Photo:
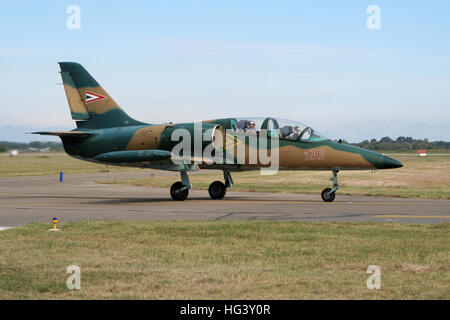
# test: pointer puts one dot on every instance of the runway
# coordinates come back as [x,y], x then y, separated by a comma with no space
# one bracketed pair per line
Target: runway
[78,198]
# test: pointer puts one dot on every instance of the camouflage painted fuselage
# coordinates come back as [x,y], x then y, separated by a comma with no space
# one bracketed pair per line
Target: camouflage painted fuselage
[297,155]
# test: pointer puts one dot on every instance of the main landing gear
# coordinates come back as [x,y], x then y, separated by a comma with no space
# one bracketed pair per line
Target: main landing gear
[329,194]
[180,189]
[218,189]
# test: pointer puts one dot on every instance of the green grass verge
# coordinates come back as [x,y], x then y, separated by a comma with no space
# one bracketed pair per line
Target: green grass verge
[41,165]
[225,260]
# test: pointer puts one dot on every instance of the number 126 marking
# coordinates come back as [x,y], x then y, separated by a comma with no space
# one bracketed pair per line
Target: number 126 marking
[314,154]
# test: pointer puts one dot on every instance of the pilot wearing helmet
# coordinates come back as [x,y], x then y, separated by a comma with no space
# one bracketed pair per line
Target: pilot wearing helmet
[295,132]
[251,129]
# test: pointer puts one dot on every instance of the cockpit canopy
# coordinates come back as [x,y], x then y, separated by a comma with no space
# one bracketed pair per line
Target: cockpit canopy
[283,128]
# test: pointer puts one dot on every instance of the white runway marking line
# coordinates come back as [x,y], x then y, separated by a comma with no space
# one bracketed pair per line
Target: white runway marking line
[5,228]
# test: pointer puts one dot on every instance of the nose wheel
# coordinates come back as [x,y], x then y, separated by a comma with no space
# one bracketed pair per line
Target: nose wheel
[328,194]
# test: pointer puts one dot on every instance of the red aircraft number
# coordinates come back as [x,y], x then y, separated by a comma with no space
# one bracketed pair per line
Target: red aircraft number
[314,154]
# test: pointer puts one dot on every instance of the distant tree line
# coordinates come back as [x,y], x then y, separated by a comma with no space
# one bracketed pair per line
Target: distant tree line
[402,143]
[7,145]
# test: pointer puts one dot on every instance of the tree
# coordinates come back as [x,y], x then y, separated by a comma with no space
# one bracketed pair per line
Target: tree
[386,139]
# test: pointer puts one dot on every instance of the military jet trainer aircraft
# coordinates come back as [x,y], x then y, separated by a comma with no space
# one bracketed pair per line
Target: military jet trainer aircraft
[106,134]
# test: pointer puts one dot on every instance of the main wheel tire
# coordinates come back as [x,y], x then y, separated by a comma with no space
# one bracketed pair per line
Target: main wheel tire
[217,190]
[328,197]
[178,195]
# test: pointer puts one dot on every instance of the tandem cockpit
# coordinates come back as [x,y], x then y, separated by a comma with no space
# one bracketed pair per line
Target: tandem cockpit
[275,127]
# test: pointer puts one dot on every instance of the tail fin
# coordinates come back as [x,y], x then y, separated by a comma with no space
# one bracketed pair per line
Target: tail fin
[89,102]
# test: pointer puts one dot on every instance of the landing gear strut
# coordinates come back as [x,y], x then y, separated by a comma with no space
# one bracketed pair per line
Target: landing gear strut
[329,194]
[218,189]
[179,191]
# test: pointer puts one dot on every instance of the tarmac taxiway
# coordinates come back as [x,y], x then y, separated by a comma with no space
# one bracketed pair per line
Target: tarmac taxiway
[79,198]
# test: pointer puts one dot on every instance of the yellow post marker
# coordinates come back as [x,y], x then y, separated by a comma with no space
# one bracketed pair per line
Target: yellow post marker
[55,223]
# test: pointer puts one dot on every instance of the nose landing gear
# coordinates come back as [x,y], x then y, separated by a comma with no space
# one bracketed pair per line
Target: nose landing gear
[329,194]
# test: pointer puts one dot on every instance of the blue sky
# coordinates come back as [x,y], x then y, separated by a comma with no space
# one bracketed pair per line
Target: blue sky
[315,62]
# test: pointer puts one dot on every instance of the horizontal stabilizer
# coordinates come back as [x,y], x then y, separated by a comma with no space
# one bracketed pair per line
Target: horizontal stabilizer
[134,156]
[71,134]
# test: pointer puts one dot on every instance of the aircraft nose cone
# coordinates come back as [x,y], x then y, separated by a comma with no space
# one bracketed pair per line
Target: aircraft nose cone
[389,163]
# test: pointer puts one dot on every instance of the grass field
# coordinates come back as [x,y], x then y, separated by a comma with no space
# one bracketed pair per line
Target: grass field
[419,178]
[41,165]
[226,260]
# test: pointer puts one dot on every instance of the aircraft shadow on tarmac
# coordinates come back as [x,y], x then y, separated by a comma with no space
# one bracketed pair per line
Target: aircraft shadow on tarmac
[124,200]
[202,199]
